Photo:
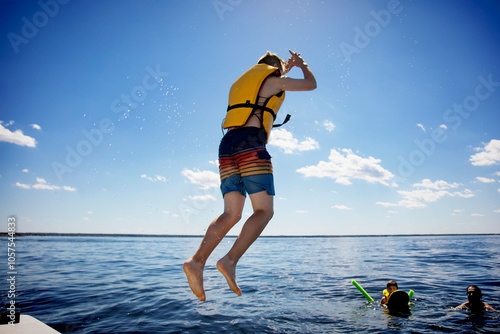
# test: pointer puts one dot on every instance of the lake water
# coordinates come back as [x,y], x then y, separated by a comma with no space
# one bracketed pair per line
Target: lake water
[290,285]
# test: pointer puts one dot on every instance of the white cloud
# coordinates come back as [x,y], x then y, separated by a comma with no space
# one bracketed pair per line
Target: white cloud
[17,137]
[437,185]
[434,191]
[205,179]
[22,185]
[497,211]
[341,207]
[329,126]
[485,179]
[477,215]
[157,178]
[344,165]
[25,170]
[488,155]
[421,126]
[444,127]
[174,215]
[201,198]
[283,139]
[36,126]
[41,184]
[303,212]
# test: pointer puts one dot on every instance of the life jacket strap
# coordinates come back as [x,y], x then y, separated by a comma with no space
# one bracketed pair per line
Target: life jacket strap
[287,118]
[253,106]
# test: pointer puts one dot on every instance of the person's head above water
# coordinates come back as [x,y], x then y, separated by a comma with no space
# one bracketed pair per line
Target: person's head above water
[474,294]
[475,303]
[273,60]
[392,286]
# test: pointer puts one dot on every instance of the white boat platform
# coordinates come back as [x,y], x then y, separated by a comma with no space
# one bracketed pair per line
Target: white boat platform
[27,325]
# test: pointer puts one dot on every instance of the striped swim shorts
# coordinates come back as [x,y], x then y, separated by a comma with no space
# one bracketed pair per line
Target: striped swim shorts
[244,163]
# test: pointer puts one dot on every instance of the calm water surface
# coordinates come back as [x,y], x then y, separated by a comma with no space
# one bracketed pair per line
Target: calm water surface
[290,285]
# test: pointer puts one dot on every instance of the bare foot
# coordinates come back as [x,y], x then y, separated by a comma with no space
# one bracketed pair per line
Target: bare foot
[194,273]
[228,269]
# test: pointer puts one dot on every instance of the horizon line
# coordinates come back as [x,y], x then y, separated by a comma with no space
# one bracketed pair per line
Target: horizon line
[56,234]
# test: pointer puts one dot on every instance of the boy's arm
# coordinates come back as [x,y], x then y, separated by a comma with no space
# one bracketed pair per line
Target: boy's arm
[288,84]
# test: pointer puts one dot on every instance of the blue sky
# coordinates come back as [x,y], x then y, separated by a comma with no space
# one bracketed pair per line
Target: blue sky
[111,114]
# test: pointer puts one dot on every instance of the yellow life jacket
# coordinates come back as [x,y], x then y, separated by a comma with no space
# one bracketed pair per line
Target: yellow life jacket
[387,294]
[244,95]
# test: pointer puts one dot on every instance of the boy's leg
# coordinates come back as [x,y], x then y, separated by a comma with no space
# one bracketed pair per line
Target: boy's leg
[262,204]
[193,267]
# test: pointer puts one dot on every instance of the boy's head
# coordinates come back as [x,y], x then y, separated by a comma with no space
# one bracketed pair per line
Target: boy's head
[273,60]
[474,294]
[392,286]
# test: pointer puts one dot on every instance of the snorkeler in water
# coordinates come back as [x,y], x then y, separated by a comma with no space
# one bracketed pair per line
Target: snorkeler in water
[397,301]
[475,302]
[391,287]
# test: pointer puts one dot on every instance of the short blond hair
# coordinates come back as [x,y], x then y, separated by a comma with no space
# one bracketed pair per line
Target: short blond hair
[272,59]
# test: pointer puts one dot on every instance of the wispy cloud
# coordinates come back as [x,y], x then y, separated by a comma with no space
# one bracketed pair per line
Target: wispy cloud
[41,184]
[201,198]
[36,126]
[17,137]
[341,207]
[488,155]
[174,215]
[329,126]
[421,126]
[427,192]
[22,185]
[437,185]
[485,179]
[284,140]
[344,166]
[157,178]
[205,179]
